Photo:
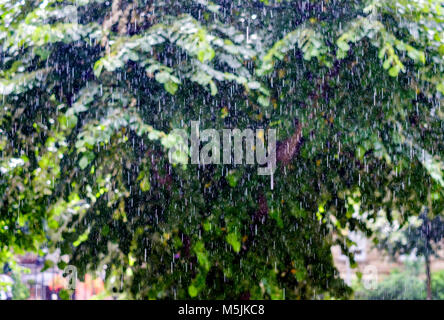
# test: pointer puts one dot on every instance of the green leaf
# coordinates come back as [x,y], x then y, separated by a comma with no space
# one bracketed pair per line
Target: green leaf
[162,77]
[276,215]
[394,71]
[254,85]
[48,264]
[206,54]
[344,46]
[202,255]
[82,238]
[232,179]
[105,230]
[263,101]
[213,88]
[84,162]
[234,240]
[171,87]
[192,291]
[360,152]
[145,184]
[61,265]
[98,67]
[64,294]
[87,158]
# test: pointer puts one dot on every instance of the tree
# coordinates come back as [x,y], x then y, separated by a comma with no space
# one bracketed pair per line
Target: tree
[92,91]
[421,236]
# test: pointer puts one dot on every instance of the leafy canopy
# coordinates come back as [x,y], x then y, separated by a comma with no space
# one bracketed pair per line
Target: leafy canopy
[91,90]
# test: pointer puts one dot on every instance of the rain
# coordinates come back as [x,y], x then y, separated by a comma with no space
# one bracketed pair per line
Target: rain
[316,170]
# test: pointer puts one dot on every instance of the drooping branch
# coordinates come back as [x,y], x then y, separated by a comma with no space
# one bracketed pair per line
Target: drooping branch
[288,149]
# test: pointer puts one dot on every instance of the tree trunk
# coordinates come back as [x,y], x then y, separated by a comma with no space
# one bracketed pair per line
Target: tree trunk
[429,278]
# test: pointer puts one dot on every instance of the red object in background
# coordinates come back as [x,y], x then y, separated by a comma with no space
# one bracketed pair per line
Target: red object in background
[84,290]
[89,288]
[57,283]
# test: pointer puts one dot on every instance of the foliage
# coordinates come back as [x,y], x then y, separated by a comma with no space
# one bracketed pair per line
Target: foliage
[403,285]
[438,285]
[421,236]
[91,90]
[396,286]
[20,291]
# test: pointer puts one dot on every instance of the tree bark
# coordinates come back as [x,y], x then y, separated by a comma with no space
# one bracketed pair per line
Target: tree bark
[429,278]
[288,149]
